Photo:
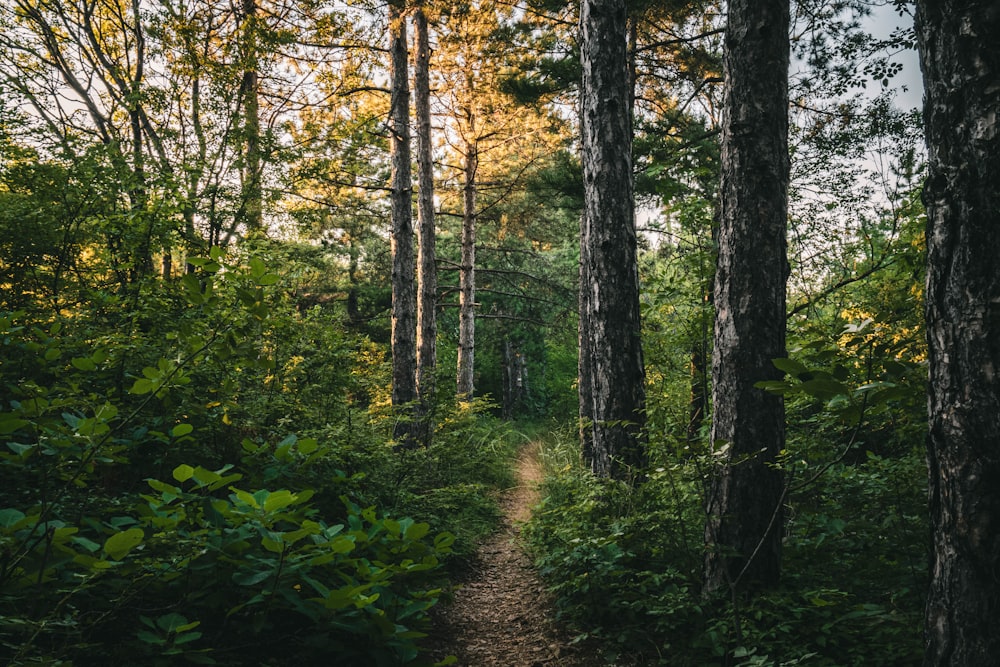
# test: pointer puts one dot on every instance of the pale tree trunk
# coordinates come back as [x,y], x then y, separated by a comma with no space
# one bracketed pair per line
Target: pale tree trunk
[404,297]
[467,280]
[744,504]
[612,377]
[961,68]
[426,267]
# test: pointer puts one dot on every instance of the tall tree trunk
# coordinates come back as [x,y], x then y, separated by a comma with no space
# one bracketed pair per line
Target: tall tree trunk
[467,280]
[404,297]
[612,376]
[961,69]
[426,267]
[252,196]
[744,505]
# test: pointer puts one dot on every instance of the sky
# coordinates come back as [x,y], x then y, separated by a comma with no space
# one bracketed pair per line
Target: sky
[882,22]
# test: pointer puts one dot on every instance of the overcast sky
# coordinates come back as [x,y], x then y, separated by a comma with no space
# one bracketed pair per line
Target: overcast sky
[882,22]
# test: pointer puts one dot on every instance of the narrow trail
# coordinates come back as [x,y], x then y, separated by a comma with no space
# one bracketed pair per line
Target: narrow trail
[501,613]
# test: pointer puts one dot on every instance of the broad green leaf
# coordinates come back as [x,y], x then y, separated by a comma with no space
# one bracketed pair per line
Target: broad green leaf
[89,545]
[119,544]
[19,448]
[174,622]
[183,472]
[142,386]
[824,388]
[9,423]
[417,531]
[278,500]
[249,578]
[307,446]
[245,497]
[273,545]
[257,268]
[181,430]
[83,363]
[790,366]
[10,517]
[268,279]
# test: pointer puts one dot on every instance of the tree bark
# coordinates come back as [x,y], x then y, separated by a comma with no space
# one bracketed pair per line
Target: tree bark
[252,196]
[744,504]
[404,297]
[467,279]
[612,376]
[961,70]
[426,267]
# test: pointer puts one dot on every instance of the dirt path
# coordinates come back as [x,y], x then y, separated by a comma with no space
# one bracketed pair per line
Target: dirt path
[501,614]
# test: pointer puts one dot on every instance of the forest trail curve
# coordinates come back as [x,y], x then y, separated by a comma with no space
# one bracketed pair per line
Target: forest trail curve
[501,614]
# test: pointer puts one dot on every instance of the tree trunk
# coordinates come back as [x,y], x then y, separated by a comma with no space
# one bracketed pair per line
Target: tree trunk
[612,376]
[426,267]
[252,197]
[404,297]
[961,69]
[467,280]
[744,504]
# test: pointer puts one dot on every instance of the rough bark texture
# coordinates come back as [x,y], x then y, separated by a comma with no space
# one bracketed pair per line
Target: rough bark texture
[961,68]
[612,377]
[404,296]
[744,524]
[467,281]
[426,267]
[252,204]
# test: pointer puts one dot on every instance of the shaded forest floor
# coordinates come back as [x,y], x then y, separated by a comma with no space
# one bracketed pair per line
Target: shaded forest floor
[501,613]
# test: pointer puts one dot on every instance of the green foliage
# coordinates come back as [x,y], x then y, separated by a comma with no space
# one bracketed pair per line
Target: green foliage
[625,565]
[213,483]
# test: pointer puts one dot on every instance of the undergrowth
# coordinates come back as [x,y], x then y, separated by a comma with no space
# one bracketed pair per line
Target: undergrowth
[625,565]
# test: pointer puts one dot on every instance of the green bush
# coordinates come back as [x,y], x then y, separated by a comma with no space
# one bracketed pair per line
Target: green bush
[625,567]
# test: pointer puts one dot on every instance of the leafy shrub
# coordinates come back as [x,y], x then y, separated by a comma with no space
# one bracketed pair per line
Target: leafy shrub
[625,566]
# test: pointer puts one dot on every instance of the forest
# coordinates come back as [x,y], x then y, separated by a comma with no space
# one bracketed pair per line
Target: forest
[292,290]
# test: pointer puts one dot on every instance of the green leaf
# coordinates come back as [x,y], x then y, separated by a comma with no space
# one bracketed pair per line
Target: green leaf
[245,498]
[89,545]
[9,423]
[278,500]
[119,544]
[417,531]
[790,366]
[181,430]
[10,517]
[824,388]
[83,363]
[183,472]
[142,386]
[19,448]
[307,446]
[268,279]
[257,268]
[174,622]
[249,578]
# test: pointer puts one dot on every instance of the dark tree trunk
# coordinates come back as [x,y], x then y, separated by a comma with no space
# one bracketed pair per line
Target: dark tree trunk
[612,377]
[426,268]
[467,279]
[744,504]
[961,68]
[404,296]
